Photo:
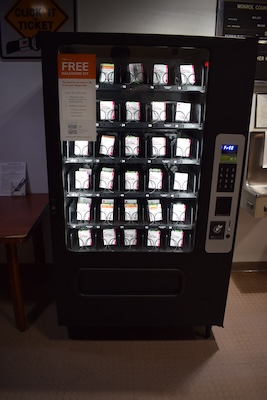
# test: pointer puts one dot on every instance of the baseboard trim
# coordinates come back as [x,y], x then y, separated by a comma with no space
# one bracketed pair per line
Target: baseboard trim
[249,266]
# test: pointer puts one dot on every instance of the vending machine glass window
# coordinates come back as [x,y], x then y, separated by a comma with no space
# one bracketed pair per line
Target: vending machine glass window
[131,182]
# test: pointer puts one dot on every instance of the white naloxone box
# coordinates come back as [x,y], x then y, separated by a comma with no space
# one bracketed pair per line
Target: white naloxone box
[109,237]
[131,180]
[155,179]
[154,210]
[178,212]
[153,238]
[83,208]
[158,146]
[180,181]
[187,72]
[130,237]
[183,112]
[82,178]
[85,237]
[183,147]
[177,238]
[107,210]
[81,148]
[158,111]
[107,110]
[132,145]
[107,145]
[131,209]
[160,74]
[106,73]
[106,178]
[132,111]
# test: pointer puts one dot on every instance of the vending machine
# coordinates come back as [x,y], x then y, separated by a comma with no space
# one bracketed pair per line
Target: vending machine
[146,137]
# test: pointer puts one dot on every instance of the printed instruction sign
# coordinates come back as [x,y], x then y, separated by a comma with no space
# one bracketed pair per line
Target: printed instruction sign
[77,96]
[261,111]
[13,178]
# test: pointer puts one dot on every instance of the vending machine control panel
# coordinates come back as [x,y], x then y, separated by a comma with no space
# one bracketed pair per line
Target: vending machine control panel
[225,187]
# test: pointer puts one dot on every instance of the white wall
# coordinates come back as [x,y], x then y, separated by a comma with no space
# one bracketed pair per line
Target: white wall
[22,121]
[21,105]
[183,17]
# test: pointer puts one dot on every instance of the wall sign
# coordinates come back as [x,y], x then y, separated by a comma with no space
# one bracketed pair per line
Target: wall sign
[261,111]
[22,20]
[245,19]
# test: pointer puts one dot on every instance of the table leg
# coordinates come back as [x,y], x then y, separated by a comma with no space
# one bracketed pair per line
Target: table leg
[39,251]
[15,284]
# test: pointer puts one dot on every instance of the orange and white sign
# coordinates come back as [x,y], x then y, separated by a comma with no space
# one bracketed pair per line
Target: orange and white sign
[77,96]
[29,17]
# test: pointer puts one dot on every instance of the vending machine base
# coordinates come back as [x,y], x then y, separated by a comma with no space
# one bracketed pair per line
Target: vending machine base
[134,333]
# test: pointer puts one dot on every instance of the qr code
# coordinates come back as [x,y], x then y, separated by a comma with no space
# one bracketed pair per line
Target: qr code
[72,129]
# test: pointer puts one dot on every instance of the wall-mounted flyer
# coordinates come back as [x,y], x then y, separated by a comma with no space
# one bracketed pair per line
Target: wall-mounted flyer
[77,96]
[261,111]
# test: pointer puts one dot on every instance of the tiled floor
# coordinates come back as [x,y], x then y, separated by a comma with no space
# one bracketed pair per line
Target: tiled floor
[42,364]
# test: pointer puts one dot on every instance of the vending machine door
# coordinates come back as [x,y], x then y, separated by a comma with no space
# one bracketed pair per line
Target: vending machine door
[138,130]
[131,174]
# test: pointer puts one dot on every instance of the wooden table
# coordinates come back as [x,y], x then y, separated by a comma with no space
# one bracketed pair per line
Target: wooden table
[19,218]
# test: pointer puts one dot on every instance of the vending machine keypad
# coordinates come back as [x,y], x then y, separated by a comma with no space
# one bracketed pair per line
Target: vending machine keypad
[226,178]
[224,194]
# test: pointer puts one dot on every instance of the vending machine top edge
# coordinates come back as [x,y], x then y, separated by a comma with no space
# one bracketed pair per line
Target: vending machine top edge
[145,137]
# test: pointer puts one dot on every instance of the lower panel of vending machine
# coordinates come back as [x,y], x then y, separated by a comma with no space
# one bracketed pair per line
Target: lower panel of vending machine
[157,301]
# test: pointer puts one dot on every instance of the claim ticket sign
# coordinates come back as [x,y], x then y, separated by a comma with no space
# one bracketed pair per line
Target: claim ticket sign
[77,96]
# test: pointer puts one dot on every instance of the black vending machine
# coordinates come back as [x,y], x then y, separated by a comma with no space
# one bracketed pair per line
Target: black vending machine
[146,139]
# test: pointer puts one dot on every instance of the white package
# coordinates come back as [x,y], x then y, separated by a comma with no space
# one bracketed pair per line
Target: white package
[132,145]
[153,238]
[178,212]
[109,237]
[132,111]
[154,210]
[107,145]
[136,73]
[180,181]
[85,237]
[82,178]
[106,73]
[158,110]
[131,180]
[160,74]
[183,146]
[177,238]
[107,210]
[158,146]
[83,209]
[81,148]
[130,237]
[131,210]
[106,178]
[187,72]
[183,111]
[107,110]
[155,179]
